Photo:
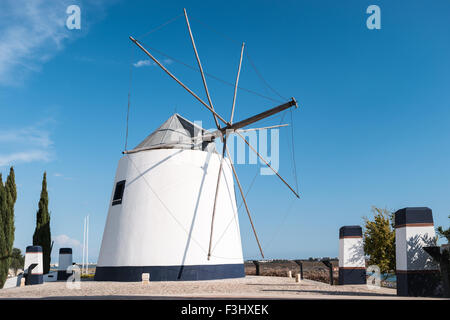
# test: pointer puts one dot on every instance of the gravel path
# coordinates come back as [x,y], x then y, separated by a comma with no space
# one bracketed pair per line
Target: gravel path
[258,287]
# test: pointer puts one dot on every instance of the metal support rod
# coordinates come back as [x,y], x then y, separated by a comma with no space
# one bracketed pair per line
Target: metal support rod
[245,203]
[215,197]
[178,81]
[330,267]
[257,265]
[201,68]
[300,263]
[236,84]
[257,153]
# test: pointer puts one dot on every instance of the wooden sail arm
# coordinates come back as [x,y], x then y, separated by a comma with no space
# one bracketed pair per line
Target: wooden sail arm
[236,83]
[261,116]
[201,68]
[228,126]
[231,128]
[178,81]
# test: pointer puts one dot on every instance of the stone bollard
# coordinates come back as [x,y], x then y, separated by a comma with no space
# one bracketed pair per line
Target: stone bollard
[65,261]
[297,277]
[146,278]
[33,267]
[289,274]
[352,265]
[417,274]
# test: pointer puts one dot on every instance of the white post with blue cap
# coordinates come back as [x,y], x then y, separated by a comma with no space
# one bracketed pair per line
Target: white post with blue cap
[417,274]
[33,266]
[352,265]
[65,260]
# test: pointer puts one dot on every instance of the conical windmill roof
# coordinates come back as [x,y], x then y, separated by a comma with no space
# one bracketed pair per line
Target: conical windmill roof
[176,133]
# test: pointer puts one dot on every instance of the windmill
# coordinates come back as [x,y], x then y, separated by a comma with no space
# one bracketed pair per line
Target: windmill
[117,266]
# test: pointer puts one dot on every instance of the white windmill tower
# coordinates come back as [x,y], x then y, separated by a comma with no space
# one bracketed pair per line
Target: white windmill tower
[174,198]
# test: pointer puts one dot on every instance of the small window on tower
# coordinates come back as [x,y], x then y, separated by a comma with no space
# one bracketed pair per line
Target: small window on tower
[118,193]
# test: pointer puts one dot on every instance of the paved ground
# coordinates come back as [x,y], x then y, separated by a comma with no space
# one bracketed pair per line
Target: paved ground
[258,287]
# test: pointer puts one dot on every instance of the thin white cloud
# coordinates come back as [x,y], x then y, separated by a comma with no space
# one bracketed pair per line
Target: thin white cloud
[149,63]
[30,134]
[144,63]
[32,32]
[25,145]
[63,240]
[60,175]
[25,156]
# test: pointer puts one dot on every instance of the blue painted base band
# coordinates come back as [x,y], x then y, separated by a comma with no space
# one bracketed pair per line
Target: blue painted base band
[34,279]
[352,276]
[170,273]
[419,284]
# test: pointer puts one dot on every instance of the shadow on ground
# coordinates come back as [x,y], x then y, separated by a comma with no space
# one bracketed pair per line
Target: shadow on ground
[335,293]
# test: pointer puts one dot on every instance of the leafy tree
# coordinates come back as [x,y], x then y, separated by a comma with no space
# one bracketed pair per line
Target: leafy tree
[17,260]
[42,235]
[444,233]
[379,239]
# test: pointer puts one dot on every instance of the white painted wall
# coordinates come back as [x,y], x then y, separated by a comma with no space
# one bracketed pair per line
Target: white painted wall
[12,282]
[408,249]
[34,257]
[65,260]
[351,252]
[165,215]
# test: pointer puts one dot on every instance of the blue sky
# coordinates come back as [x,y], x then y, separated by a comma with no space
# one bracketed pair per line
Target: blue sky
[372,127]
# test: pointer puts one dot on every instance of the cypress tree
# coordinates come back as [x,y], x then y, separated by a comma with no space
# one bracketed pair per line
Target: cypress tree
[42,236]
[3,241]
[11,197]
